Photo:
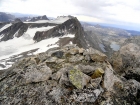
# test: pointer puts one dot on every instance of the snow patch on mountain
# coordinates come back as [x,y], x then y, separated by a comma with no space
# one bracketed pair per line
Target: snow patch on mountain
[22,44]
[16,33]
[1,36]
[5,26]
[32,31]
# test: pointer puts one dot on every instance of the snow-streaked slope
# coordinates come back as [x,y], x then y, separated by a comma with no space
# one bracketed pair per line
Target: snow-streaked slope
[23,44]
[32,31]
[14,44]
[1,36]
[57,20]
[5,26]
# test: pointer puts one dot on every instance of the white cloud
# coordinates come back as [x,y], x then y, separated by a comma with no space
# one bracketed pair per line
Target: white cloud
[108,11]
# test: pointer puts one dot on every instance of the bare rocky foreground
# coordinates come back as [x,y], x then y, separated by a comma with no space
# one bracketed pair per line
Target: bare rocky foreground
[68,76]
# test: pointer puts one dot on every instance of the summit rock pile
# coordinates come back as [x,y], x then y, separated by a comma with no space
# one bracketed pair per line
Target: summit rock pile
[66,76]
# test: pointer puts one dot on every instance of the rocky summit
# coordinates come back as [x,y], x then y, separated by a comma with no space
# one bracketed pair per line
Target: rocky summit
[67,76]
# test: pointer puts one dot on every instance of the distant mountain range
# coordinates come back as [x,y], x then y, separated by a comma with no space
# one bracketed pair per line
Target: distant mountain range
[6,17]
[115,30]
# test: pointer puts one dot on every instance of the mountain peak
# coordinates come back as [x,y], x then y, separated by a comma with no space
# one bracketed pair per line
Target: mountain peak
[6,17]
[98,26]
[44,17]
[17,20]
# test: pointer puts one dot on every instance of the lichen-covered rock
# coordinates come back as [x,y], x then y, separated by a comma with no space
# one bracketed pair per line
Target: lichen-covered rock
[78,79]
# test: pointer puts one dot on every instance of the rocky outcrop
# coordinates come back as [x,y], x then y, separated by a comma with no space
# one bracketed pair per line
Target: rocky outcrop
[126,62]
[127,58]
[38,25]
[134,39]
[58,77]
[16,20]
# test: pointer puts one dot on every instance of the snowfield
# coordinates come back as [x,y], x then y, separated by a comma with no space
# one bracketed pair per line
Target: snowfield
[12,49]
[25,43]
[32,31]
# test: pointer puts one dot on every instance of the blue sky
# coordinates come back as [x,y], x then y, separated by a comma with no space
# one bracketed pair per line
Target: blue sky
[125,13]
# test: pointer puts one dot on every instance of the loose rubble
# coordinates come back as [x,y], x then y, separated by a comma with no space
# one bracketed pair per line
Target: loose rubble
[67,76]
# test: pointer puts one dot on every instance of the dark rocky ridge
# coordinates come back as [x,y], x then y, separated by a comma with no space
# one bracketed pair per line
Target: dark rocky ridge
[2,24]
[10,31]
[16,20]
[21,27]
[66,76]
[44,17]
[71,26]
[33,25]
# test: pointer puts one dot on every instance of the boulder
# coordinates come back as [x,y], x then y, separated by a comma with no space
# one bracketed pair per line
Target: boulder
[74,51]
[87,69]
[78,79]
[87,57]
[95,82]
[36,74]
[96,55]
[117,62]
[109,78]
[86,95]
[98,73]
[119,91]
[133,74]
[81,50]
[76,58]
[58,54]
